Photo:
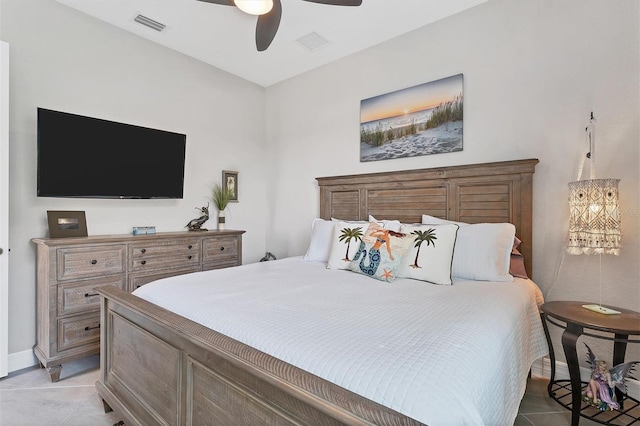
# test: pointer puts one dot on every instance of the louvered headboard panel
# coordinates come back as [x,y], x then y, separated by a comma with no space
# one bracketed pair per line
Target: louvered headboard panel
[488,192]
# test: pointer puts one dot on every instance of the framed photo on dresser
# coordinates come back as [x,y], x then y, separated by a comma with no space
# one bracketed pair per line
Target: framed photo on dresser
[63,224]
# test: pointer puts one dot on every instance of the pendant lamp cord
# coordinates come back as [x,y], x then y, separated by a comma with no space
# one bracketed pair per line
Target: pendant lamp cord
[557,274]
[590,149]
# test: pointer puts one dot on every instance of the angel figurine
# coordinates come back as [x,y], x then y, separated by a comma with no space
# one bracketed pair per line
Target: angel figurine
[600,392]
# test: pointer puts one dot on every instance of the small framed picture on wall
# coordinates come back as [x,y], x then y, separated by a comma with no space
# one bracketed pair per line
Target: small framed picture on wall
[230,180]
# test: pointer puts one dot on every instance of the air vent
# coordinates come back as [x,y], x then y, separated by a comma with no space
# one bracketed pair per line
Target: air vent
[148,22]
[312,41]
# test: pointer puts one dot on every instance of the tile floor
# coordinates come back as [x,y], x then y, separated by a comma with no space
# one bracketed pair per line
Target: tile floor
[27,397]
[537,408]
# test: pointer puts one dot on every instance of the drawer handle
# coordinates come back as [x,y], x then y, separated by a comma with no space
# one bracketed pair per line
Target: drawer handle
[221,248]
[87,328]
[93,261]
[189,246]
[189,257]
[91,294]
[143,262]
[143,251]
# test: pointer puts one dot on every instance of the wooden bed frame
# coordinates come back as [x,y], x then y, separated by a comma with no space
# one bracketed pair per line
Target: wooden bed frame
[160,368]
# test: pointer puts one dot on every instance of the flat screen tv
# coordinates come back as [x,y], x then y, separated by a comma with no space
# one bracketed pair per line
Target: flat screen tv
[88,157]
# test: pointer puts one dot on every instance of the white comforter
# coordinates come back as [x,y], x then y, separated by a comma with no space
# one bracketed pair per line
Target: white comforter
[443,355]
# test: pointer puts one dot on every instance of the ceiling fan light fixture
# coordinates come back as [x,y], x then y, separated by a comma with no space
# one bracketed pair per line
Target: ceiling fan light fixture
[254,7]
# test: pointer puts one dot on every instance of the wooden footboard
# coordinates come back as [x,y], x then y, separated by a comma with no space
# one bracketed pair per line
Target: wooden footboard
[160,368]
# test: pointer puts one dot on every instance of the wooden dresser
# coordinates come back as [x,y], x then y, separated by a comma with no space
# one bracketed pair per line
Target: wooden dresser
[70,269]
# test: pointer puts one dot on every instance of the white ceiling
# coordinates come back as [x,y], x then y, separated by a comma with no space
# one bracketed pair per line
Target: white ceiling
[224,36]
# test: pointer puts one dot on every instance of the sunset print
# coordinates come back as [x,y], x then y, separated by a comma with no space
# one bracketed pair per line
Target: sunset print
[419,120]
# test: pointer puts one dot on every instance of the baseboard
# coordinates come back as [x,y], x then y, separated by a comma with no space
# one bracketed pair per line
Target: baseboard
[538,368]
[542,368]
[20,360]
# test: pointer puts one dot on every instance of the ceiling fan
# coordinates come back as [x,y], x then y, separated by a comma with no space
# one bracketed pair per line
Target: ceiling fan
[269,13]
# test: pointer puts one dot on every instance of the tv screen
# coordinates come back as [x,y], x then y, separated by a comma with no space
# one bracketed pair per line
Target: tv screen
[82,156]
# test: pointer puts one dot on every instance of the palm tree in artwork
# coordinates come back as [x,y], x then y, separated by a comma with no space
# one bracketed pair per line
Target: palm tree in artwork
[347,235]
[428,236]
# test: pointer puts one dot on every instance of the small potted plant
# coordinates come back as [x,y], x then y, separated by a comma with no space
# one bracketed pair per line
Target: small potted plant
[221,197]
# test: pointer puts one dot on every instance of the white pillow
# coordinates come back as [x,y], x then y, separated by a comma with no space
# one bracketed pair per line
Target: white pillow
[482,251]
[391,225]
[426,219]
[345,242]
[429,259]
[350,221]
[320,244]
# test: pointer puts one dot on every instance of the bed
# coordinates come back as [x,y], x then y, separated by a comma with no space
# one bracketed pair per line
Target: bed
[293,342]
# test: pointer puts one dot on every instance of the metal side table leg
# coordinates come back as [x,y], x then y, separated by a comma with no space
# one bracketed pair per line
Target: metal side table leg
[552,357]
[619,350]
[569,339]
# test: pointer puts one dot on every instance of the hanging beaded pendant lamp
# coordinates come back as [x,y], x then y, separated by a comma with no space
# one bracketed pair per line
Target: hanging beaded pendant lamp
[594,208]
[594,217]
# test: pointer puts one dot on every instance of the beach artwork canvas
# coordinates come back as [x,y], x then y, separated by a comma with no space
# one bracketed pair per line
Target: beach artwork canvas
[419,120]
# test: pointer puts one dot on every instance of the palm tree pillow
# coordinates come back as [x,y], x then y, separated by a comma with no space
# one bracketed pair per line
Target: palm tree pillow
[345,241]
[430,257]
[380,253]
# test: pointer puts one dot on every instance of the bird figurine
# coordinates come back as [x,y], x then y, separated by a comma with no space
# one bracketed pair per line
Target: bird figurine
[196,224]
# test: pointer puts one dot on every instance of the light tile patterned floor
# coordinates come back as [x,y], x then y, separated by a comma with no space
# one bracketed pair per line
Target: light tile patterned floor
[27,397]
[538,409]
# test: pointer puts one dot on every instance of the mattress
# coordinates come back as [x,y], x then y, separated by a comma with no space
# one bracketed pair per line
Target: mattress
[443,355]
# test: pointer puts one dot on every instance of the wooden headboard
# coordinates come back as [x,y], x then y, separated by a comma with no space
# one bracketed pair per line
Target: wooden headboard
[489,192]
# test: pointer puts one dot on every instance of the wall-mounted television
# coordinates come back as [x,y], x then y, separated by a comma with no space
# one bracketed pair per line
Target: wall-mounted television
[81,156]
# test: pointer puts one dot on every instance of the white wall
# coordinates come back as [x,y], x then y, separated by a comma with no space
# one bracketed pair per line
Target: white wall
[64,60]
[533,71]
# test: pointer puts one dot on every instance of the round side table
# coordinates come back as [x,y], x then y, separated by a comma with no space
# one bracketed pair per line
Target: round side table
[575,319]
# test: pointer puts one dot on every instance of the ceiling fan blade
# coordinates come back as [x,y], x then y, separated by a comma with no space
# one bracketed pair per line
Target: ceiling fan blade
[338,2]
[222,2]
[268,26]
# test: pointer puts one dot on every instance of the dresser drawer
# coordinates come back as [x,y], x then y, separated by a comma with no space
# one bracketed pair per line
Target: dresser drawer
[91,261]
[138,280]
[222,250]
[166,254]
[78,330]
[74,297]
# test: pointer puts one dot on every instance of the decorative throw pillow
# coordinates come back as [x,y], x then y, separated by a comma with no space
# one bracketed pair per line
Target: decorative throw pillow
[483,250]
[345,241]
[430,257]
[320,244]
[380,253]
